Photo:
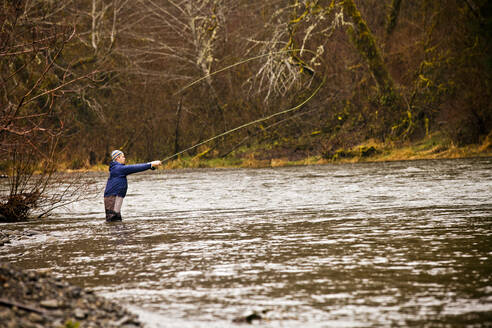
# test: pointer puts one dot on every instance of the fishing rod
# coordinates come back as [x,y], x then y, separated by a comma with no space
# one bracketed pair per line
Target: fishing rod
[266,118]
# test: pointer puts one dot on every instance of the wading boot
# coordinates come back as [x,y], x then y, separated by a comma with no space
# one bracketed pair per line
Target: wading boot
[112,216]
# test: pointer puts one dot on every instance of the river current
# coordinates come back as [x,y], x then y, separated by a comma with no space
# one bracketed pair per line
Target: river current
[352,245]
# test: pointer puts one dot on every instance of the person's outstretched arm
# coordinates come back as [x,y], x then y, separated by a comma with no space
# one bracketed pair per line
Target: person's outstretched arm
[129,169]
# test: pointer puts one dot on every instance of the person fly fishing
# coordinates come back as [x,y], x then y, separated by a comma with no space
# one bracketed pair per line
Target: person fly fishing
[117,184]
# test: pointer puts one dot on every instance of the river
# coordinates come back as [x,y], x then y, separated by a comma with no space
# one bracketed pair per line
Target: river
[352,245]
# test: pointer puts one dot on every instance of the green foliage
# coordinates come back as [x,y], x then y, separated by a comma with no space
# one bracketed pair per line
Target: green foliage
[71,324]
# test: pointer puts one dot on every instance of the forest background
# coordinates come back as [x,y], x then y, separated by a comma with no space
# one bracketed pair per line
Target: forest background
[81,78]
[153,77]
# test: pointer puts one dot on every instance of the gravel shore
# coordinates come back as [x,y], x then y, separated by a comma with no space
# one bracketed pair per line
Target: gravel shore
[35,299]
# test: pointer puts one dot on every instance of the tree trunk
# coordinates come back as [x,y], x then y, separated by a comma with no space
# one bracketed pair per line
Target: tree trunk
[393,16]
[176,129]
[363,40]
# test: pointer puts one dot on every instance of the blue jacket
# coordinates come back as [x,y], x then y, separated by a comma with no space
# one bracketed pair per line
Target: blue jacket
[117,184]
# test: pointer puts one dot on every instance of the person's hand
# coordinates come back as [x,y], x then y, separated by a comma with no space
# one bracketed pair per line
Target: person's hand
[155,163]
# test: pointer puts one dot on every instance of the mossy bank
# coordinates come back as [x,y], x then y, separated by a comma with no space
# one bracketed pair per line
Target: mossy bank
[432,147]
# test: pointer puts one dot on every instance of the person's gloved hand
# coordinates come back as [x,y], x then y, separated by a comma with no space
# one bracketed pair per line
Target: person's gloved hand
[153,164]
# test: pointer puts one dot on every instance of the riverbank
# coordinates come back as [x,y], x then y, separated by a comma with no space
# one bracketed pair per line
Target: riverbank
[432,147]
[35,299]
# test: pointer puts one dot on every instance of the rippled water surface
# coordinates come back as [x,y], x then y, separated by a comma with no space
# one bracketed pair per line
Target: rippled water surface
[357,245]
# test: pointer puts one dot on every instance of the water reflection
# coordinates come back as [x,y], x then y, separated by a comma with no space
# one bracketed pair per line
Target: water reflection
[389,244]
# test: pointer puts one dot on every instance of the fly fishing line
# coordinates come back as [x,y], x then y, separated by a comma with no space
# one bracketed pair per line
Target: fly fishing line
[266,118]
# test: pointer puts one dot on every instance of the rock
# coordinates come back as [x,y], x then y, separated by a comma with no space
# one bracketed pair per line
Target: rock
[122,321]
[5,315]
[32,276]
[43,272]
[34,317]
[61,284]
[4,237]
[50,304]
[250,317]
[12,324]
[80,314]
[75,291]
